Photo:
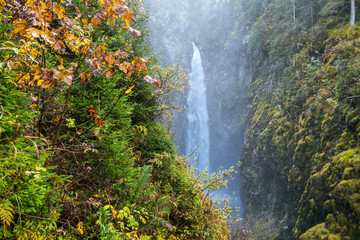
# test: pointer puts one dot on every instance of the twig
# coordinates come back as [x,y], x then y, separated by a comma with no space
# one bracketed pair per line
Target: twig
[15,153]
[353,97]
[37,150]
[47,219]
[2,111]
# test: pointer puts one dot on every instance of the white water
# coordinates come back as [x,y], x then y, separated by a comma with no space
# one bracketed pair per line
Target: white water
[198,139]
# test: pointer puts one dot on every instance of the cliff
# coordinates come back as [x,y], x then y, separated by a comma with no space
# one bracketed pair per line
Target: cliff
[300,164]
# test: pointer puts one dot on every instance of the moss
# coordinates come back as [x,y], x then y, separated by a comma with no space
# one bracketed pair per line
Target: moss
[309,130]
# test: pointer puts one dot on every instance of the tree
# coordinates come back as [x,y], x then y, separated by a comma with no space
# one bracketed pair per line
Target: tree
[294,10]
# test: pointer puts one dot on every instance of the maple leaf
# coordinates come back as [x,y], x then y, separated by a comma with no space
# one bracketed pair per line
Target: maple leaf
[129,90]
[65,76]
[109,73]
[99,121]
[95,21]
[85,77]
[121,54]
[152,81]
[108,58]
[122,67]
[91,110]
[127,17]
[84,21]
[140,64]
[48,80]
[59,45]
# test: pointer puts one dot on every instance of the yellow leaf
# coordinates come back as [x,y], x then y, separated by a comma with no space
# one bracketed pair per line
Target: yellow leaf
[80,228]
[20,25]
[40,82]
[129,90]
[6,212]
[59,11]
[34,32]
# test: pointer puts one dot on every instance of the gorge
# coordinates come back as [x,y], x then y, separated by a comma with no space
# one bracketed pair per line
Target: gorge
[283,102]
[91,146]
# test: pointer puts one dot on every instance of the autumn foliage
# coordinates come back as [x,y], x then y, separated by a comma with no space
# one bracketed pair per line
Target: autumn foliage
[81,152]
[43,30]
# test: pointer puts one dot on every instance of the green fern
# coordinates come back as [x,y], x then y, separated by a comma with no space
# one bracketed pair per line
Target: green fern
[6,213]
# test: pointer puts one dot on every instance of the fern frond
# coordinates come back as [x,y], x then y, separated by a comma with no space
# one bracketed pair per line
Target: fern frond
[6,213]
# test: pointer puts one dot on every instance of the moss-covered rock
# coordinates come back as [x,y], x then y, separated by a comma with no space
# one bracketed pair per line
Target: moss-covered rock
[301,152]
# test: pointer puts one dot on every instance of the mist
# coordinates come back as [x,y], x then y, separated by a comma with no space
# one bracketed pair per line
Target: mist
[174,26]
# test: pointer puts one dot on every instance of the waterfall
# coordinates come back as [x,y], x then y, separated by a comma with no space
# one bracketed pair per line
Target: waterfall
[198,138]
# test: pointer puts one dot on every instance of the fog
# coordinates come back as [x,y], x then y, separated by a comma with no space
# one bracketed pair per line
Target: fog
[175,25]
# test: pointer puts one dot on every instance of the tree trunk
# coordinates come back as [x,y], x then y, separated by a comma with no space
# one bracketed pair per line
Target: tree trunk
[312,12]
[294,10]
[352,15]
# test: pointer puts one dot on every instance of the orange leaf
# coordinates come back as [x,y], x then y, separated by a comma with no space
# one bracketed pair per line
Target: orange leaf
[100,50]
[109,73]
[91,110]
[84,21]
[20,25]
[140,64]
[112,19]
[57,120]
[85,77]
[95,21]
[59,11]
[109,58]
[121,54]
[61,60]
[122,67]
[99,122]
[67,77]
